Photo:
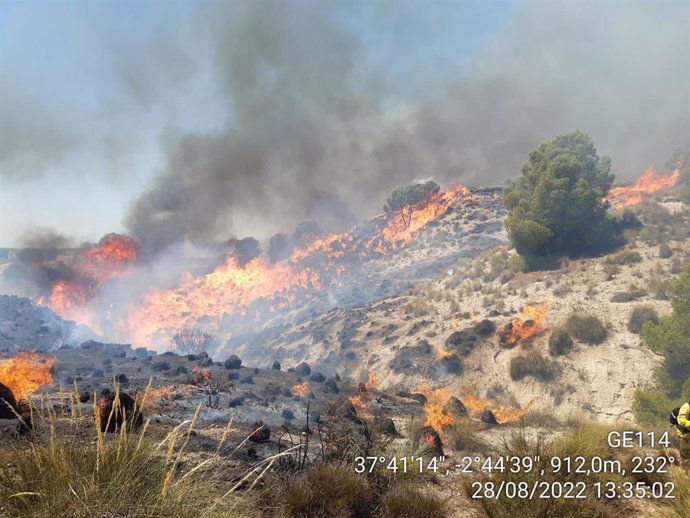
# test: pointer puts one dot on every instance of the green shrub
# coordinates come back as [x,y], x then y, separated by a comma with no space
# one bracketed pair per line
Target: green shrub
[640,315]
[462,436]
[533,364]
[652,408]
[626,257]
[560,342]
[586,328]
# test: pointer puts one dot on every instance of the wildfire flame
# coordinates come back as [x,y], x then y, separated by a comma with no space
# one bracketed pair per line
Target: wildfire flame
[150,400]
[524,326]
[200,375]
[433,408]
[255,289]
[438,419]
[76,298]
[503,413]
[649,183]
[301,389]
[26,373]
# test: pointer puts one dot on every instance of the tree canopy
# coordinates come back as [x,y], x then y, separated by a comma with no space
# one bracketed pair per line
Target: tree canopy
[557,206]
[671,336]
[405,197]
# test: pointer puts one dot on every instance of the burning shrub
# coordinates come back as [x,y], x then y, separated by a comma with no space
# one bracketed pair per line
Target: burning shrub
[428,441]
[560,342]
[586,328]
[246,249]
[279,247]
[533,364]
[640,315]
[261,432]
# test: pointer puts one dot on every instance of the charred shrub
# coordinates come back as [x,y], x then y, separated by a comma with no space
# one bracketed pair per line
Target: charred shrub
[533,364]
[640,315]
[160,366]
[234,362]
[560,342]
[586,328]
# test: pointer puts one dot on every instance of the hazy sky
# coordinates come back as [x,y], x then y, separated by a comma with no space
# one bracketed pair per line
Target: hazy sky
[203,120]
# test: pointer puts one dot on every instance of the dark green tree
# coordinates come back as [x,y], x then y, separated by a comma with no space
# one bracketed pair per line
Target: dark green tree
[279,247]
[671,336]
[405,198]
[557,207]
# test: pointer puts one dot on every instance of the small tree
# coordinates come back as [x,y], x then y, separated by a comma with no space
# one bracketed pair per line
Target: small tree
[190,341]
[279,247]
[247,249]
[405,198]
[557,207]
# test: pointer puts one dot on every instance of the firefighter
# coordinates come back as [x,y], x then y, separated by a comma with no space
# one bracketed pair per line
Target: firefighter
[680,418]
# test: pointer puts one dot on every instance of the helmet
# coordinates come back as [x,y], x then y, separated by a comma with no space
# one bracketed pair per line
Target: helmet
[673,418]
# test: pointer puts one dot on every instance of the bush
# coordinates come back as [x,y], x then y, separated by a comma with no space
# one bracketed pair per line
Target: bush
[627,296]
[409,502]
[462,436]
[586,328]
[327,491]
[560,342]
[665,251]
[652,408]
[640,315]
[626,257]
[533,364]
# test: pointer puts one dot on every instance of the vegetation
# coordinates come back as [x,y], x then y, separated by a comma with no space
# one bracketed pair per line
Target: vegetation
[671,335]
[533,364]
[586,328]
[279,247]
[125,475]
[190,341]
[640,315]
[557,206]
[560,342]
[403,199]
[624,258]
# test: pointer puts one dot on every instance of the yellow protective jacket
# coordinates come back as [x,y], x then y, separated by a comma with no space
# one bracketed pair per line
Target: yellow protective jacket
[684,421]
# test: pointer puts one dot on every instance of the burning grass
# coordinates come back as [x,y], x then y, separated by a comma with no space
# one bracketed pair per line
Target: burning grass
[524,326]
[649,183]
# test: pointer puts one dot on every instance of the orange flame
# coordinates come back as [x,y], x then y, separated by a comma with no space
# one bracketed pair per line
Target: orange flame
[433,408]
[649,183]
[525,326]
[301,389]
[75,298]
[200,375]
[503,413]
[150,400]
[26,373]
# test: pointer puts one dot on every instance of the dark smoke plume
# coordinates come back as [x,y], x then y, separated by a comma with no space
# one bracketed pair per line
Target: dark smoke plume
[307,116]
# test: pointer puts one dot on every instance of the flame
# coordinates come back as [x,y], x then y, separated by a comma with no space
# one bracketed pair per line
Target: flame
[252,291]
[150,400]
[26,373]
[200,375]
[503,413]
[359,402]
[649,183]
[76,298]
[433,408]
[525,326]
[301,389]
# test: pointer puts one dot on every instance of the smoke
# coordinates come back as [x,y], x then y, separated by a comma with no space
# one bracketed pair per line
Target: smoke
[44,237]
[306,115]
